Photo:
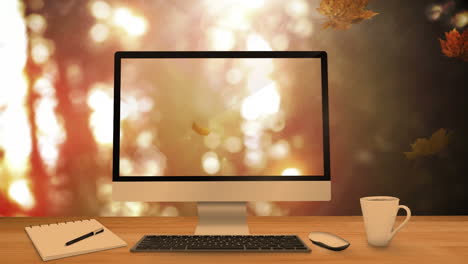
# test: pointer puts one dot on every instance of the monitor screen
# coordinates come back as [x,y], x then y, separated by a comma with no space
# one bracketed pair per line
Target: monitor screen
[221,117]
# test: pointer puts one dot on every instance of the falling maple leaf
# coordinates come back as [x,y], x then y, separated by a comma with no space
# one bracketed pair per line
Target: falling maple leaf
[428,147]
[343,13]
[455,45]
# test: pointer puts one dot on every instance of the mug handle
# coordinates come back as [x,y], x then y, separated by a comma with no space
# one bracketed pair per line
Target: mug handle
[408,216]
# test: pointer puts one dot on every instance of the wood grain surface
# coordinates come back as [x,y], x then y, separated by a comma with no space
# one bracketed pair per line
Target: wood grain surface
[426,239]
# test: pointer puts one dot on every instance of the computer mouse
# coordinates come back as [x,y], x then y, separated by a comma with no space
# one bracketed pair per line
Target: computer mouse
[328,241]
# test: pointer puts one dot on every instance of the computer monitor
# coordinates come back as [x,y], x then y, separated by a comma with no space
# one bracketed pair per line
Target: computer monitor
[221,128]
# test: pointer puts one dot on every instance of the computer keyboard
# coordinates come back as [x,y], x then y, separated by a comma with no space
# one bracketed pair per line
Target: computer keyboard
[220,243]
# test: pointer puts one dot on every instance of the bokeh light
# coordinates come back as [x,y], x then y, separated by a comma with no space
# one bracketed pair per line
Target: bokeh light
[434,12]
[145,139]
[210,162]
[460,20]
[263,208]
[126,166]
[280,42]
[233,144]
[37,23]
[41,50]
[264,102]
[20,192]
[222,39]
[170,211]
[256,42]
[13,115]
[297,8]
[133,25]
[99,32]
[279,150]
[291,172]
[16,151]
[152,168]
[101,102]
[302,27]
[50,130]
[234,76]
[255,159]
[100,9]
[212,141]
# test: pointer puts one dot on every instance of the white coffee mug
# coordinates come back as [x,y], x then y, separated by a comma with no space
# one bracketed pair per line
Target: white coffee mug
[379,214]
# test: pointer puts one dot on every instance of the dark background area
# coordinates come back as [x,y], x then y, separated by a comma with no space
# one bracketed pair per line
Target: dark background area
[390,84]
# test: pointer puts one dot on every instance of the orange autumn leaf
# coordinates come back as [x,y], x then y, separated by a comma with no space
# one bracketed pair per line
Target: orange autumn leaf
[200,130]
[455,45]
[343,13]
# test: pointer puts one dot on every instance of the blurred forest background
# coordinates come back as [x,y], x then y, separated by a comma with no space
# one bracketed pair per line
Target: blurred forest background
[397,82]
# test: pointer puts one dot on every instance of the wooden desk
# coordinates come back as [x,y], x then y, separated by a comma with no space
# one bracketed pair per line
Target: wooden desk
[426,239]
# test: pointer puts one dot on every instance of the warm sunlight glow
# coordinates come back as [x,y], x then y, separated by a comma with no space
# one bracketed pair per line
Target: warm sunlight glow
[132,24]
[257,42]
[50,131]
[16,151]
[291,172]
[235,19]
[222,39]
[264,102]
[233,14]
[15,138]
[101,124]
[101,119]
[253,4]
[257,79]
[20,192]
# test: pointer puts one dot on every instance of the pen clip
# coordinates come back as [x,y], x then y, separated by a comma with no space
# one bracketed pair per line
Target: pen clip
[97,231]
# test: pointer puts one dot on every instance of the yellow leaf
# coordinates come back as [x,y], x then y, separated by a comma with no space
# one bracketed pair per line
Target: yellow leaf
[426,147]
[438,141]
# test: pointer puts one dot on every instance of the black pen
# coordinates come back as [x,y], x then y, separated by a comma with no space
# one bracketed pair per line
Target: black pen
[95,232]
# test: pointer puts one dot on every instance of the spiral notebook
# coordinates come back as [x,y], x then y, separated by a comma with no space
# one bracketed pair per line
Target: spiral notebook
[50,240]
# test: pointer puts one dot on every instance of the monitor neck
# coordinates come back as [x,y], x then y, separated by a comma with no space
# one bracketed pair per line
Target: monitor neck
[222,218]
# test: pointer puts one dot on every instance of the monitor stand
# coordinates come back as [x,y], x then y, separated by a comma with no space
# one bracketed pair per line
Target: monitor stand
[222,218]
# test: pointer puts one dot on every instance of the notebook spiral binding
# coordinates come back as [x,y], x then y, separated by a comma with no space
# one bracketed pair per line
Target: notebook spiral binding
[74,221]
